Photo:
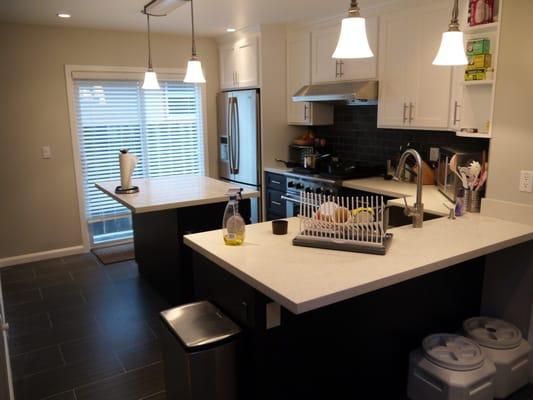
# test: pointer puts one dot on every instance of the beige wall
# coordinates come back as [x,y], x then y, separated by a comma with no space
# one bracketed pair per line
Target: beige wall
[511,149]
[38,198]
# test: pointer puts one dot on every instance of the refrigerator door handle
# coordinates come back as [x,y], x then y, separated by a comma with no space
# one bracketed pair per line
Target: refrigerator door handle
[237,136]
[229,128]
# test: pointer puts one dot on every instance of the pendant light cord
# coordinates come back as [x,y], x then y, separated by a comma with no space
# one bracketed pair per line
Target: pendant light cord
[193,37]
[454,23]
[149,46]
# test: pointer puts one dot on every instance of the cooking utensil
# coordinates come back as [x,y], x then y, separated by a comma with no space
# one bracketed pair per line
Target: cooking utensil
[453,168]
[475,171]
[482,180]
[311,159]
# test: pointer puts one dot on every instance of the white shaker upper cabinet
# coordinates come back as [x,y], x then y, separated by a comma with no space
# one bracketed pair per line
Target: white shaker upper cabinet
[239,64]
[432,90]
[299,75]
[248,63]
[393,69]
[327,69]
[414,93]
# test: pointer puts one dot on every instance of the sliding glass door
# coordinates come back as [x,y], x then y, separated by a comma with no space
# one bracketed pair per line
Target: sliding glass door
[162,127]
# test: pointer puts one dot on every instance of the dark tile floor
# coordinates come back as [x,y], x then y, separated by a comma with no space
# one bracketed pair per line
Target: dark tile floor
[80,330]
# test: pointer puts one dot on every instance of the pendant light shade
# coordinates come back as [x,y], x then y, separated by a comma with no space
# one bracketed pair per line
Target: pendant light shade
[353,41]
[194,74]
[150,77]
[150,81]
[452,48]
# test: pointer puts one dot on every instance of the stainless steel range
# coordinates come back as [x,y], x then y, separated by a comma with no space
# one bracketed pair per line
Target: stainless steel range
[309,184]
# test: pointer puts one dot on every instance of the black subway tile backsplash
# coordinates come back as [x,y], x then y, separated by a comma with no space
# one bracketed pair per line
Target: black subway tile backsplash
[355,136]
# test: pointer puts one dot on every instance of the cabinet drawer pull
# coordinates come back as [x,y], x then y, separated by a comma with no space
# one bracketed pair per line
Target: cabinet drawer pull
[411,106]
[341,73]
[276,203]
[305,112]
[404,113]
[275,182]
[336,68]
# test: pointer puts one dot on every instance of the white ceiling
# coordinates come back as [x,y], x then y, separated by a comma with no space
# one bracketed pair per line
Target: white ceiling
[212,16]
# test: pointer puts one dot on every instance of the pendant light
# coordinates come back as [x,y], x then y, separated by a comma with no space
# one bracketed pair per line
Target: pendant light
[353,42]
[194,66]
[150,77]
[452,49]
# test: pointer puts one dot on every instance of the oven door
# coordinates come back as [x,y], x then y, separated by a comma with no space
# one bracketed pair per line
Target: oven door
[292,200]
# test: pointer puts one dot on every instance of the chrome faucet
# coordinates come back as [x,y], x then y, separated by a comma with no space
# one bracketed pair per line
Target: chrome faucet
[416,212]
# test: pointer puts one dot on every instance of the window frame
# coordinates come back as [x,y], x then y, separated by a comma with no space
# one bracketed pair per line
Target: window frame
[118,73]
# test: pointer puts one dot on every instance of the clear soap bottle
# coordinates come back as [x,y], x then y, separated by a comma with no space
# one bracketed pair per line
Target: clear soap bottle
[233,226]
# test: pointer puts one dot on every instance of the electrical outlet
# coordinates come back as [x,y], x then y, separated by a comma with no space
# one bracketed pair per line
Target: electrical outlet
[46,152]
[434,154]
[526,181]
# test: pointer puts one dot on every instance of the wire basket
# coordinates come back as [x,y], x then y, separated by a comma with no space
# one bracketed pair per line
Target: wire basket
[347,223]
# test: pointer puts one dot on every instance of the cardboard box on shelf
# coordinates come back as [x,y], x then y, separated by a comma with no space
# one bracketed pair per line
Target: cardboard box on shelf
[475,75]
[480,61]
[477,46]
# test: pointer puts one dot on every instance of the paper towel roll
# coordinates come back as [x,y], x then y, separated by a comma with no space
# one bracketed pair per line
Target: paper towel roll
[127,162]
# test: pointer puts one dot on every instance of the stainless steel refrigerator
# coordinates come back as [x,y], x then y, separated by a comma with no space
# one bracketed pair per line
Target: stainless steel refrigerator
[239,141]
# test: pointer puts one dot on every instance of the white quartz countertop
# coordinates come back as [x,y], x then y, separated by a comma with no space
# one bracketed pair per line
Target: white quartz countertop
[156,194]
[302,279]
[431,197]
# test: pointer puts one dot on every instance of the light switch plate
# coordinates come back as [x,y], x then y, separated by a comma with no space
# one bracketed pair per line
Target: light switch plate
[46,152]
[434,154]
[526,181]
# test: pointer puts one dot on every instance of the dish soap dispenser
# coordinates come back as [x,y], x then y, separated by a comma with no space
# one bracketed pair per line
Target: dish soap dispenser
[233,225]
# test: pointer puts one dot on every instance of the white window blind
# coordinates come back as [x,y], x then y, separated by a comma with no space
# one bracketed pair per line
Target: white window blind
[162,127]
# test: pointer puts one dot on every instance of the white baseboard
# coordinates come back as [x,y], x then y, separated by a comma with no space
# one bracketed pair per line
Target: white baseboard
[42,255]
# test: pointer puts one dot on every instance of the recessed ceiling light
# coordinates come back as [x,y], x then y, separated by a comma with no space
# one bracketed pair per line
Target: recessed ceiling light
[231,30]
[63,15]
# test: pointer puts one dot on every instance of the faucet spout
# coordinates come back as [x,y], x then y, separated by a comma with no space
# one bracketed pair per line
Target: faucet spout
[416,212]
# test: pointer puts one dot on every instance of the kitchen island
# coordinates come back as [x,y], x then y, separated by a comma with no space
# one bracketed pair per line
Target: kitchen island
[163,211]
[320,322]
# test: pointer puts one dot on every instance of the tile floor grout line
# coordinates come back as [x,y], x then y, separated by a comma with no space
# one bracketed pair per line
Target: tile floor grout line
[62,355]
[119,360]
[116,375]
[151,395]
[41,294]
[50,320]
[56,394]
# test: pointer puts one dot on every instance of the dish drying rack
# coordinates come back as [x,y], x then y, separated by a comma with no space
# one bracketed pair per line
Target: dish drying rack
[359,226]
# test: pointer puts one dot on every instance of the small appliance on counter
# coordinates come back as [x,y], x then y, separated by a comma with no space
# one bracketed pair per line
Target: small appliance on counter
[450,367]
[127,162]
[502,343]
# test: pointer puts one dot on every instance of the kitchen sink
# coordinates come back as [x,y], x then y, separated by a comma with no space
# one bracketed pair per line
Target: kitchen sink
[398,218]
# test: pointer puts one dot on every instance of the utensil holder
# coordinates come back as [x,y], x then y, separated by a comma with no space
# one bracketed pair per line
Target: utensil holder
[473,201]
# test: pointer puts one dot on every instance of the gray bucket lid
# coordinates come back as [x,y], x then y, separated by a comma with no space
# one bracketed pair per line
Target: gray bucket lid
[453,352]
[199,324]
[492,332]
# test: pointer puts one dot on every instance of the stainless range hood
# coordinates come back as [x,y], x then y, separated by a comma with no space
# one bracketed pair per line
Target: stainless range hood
[352,93]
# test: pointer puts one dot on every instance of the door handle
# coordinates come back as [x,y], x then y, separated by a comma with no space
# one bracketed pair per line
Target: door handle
[404,113]
[238,136]
[411,106]
[229,122]
[336,68]
[276,203]
[455,120]
[341,73]
[305,112]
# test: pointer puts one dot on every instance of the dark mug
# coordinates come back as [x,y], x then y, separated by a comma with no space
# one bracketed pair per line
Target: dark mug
[279,227]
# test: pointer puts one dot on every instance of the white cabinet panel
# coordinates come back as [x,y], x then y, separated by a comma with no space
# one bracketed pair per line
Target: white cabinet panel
[327,69]
[228,66]
[393,70]
[239,64]
[298,75]
[432,84]
[414,94]
[248,63]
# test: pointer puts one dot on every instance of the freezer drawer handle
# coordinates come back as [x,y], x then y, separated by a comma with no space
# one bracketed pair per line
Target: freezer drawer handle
[276,203]
[275,182]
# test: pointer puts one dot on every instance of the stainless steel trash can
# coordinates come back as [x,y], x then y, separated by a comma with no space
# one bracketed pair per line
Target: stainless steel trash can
[200,353]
